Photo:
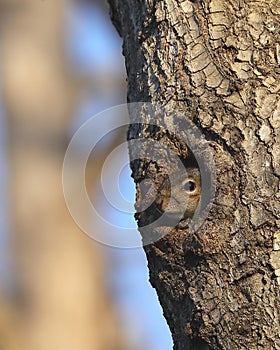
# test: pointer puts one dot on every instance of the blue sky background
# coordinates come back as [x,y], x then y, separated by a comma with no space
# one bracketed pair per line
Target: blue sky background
[5,267]
[94,48]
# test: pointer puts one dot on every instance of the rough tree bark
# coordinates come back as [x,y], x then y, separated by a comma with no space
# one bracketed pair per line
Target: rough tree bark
[217,62]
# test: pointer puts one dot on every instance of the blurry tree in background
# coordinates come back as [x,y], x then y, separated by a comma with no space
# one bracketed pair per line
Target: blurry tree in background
[57,299]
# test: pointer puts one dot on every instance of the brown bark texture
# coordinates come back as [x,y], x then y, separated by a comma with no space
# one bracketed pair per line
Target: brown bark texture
[217,63]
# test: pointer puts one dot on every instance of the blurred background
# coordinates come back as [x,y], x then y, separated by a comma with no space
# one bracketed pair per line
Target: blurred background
[60,64]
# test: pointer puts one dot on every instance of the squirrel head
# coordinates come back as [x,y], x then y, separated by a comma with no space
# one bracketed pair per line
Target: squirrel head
[181,194]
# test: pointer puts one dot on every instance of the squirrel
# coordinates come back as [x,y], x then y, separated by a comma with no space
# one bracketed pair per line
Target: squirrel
[183,197]
[176,198]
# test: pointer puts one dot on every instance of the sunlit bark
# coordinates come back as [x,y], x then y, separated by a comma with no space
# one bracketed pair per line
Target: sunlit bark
[217,62]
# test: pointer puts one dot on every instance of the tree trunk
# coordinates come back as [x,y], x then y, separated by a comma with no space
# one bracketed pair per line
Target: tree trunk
[217,63]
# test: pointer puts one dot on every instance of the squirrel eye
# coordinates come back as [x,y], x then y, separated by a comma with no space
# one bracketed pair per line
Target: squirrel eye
[190,186]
